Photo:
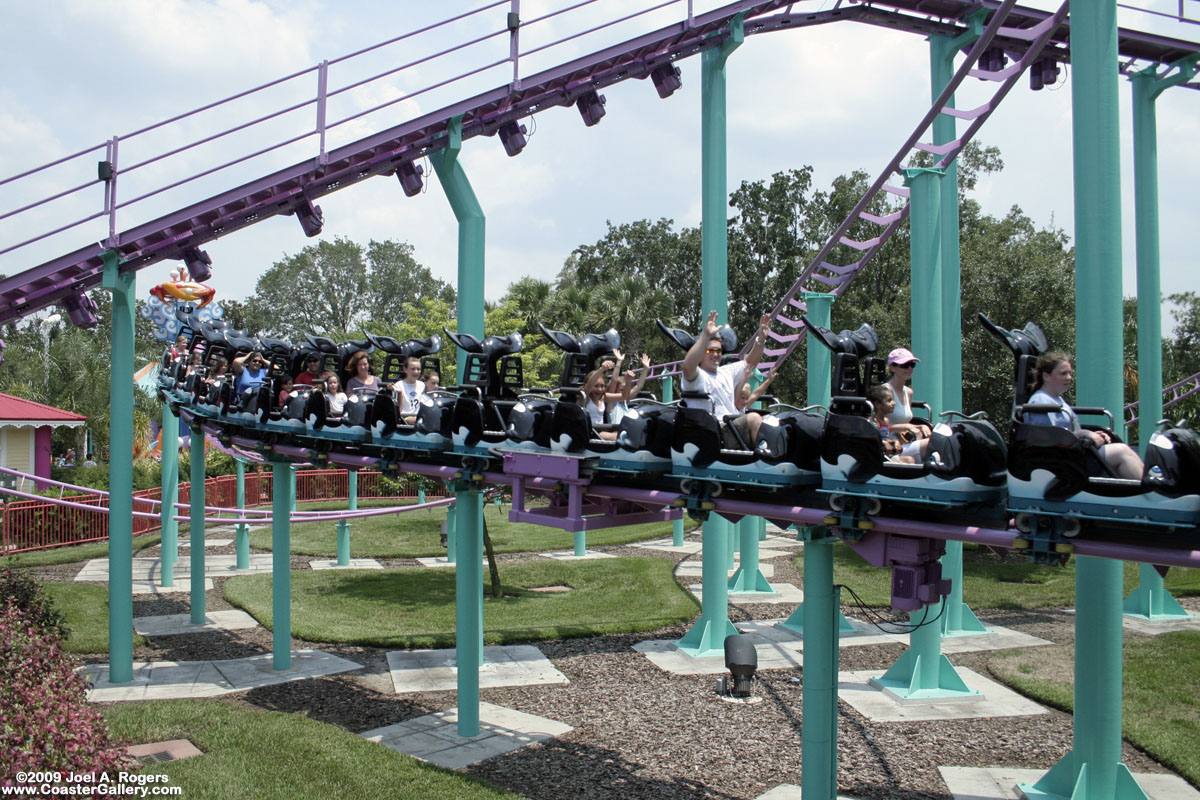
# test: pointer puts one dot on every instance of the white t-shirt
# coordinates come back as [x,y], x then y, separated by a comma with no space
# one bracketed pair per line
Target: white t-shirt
[1059,419]
[411,394]
[595,412]
[719,387]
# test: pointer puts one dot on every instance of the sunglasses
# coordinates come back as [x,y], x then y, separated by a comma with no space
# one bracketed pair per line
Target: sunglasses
[712,351]
[909,365]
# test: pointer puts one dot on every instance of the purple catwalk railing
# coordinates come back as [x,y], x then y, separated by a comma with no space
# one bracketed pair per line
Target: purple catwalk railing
[303,114]
[1171,395]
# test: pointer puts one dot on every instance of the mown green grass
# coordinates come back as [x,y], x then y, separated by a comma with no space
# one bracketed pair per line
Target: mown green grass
[414,534]
[267,755]
[84,606]
[992,582]
[78,552]
[1161,683]
[416,607]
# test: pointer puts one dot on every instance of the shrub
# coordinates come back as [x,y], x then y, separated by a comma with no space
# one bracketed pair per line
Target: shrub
[45,721]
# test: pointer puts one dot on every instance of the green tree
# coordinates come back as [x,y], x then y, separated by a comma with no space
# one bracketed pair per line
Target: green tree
[395,278]
[320,290]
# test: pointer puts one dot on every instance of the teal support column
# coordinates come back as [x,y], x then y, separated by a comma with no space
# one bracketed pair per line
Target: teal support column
[241,531]
[343,528]
[283,498]
[818,544]
[668,395]
[923,672]
[707,636]
[822,611]
[196,526]
[452,534]
[1093,768]
[471,230]
[120,471]
[749,577]
[1150,600]
[170,495]
[468,587]
[292,480]
[957,619]
[420,495]
[580,543]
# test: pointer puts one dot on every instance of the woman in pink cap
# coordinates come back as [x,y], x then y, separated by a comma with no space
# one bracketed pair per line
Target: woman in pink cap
[901,362]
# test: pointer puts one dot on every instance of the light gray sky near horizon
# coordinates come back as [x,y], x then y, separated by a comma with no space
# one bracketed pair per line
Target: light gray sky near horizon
[838,97]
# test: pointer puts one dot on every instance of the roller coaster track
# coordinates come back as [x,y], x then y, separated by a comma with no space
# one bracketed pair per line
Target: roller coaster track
[292,190]
[1171,395]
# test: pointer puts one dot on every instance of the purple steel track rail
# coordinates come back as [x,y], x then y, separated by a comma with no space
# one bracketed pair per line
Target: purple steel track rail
[287,190]
[1171,395]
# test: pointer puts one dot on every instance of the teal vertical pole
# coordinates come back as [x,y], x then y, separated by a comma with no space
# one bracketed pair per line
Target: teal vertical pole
[343,529]
[580,538]
[292,481]
[957,619]
[923,672]
[1093,768]
[120,471]
[818,748]
[196,525]
[1150,600]
[241,531]
[707,636]
[749,577]
[468,587]
[452,534]
[668,394]
[818,544]
[170,494]
[283,498]
[471,234]
[420,495]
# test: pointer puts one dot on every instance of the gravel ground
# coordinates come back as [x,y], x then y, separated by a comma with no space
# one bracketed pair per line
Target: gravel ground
[641,733]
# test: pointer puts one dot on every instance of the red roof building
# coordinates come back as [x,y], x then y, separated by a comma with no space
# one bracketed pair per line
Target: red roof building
[25,433]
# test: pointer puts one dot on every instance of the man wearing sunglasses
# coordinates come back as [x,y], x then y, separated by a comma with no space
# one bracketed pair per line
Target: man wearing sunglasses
[250,370]
[703,372]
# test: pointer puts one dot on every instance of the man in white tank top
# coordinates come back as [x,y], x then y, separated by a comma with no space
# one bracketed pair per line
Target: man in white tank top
[703,372]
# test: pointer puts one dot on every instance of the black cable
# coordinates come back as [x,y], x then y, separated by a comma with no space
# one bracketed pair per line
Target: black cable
[879,622]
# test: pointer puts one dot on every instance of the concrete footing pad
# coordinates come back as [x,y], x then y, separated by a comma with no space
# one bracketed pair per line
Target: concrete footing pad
[695,569]
[994,700]
[174,624]
[666,655]
[434,737]
[439,561]
[149,570]
[355,563]
[437,671]
[164,680]
[1154,627]
[783,593]
[569,555]
[997,637]
[668,546]
[789,791]
[1000,783]
[207,543]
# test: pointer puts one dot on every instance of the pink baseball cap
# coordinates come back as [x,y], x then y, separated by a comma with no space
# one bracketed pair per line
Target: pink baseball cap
[901,355]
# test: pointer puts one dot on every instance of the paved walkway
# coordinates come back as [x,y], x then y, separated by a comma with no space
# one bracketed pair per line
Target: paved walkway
[437,670]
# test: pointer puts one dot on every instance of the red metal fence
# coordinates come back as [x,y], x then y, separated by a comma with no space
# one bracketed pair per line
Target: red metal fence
[36,525]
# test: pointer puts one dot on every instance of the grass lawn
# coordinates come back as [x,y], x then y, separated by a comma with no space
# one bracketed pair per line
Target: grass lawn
[1161,684]
[992,582]
[85,607]
[413,534]
[78,552]
[268,755]
[415,607]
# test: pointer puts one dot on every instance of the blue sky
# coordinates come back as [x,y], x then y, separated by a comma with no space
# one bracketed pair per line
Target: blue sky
[837,97]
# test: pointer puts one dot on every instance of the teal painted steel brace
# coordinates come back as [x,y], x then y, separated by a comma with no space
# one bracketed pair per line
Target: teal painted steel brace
[468,587]
[283,498]
[343,526]
[1092,770]
[707,635]
[120,471]
[241,531]
[1150,600]
[196,492]
[169,495]
[668,394]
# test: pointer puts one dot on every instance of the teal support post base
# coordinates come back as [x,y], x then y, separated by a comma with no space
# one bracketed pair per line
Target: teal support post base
[815,536]
[1068,780]
[580,544]
[761,524]
[452,535]
[924,672]
[120,471]
[241,531]
[707,636]
[343,528]
[420,497]
[677,533]
[958,619]
[170,495]
[1150,600]
[196,530]
[818,772]
[283,497]
[468,588]
[749,577]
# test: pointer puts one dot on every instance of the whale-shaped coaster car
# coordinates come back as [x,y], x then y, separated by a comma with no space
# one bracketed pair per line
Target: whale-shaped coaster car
[1054,472]
[701,447]
[487,391]
[963,463]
